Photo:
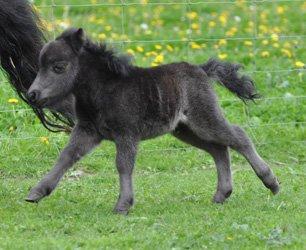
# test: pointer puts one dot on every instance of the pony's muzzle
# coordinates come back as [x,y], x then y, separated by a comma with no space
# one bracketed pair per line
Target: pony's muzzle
[33,96]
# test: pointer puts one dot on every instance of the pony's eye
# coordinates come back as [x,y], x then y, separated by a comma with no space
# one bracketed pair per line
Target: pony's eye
[59,68]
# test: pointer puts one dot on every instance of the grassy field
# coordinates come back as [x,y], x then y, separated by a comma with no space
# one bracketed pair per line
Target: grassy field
[174,183]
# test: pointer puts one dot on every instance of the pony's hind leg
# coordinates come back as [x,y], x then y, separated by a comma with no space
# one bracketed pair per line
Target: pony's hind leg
[220,155]
[242,144]
[221,132]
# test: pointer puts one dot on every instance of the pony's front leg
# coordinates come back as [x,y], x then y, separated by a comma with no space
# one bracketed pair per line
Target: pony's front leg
[83,139]
[125,160]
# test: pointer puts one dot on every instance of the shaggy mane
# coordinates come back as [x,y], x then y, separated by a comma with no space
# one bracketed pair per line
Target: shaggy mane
[115,63]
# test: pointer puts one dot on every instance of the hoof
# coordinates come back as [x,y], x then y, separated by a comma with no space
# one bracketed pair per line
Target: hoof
[34,197]
[121,211]
[220,197]
[273,185]
[275,188]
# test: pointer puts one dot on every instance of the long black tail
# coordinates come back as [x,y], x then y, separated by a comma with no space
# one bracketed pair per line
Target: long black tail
[227,74]
[21,39]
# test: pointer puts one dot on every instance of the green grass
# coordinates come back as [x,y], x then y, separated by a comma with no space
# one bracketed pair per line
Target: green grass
[174,183]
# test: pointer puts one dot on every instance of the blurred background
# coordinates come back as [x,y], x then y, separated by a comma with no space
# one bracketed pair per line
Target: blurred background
[267,37]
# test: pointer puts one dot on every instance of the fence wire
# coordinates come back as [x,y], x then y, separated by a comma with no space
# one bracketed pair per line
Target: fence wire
[188,4]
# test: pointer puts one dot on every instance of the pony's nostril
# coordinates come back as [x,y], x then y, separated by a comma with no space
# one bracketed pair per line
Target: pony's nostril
[33,96]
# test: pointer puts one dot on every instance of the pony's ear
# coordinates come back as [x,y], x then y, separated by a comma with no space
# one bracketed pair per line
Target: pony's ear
[77,39]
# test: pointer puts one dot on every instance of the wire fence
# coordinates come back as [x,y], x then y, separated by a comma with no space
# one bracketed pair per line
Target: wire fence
[189,4]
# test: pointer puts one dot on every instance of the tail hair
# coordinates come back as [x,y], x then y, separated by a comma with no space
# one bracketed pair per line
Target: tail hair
[21,40]
[227,74]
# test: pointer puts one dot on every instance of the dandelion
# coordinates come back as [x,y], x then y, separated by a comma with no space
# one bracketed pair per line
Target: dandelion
[263,28]
[169,48]
[92,18]
[45,140]
[280,10]
[130,51]
[222,56]
[12,101]
[274,37]
[248,43]
[222,42]
[275,45]
[299,64]
[195,45]
[231,32]
[108,28]
[286,52]
[192,15]
[265,54]
[101,36]
[140,49]
[158,60]
[158,47]
[265,42]
[211,24]
[151,53]
[223,19]
[195,26]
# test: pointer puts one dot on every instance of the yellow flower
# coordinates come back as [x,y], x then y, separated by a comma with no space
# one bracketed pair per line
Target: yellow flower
[211,24]
[265,54]
[231,32]
[108,28]
[151,53]
[299,64]
[130,51]
[222,42]
[139,49]
[192,15]
[101,36]
[265,42]
[286,52]
[169,48]
[13,101]
[159,58]
[280,10]
[11,129]
[248,43]
[195,26]
[263,28]
[274,37]
[276,45]
[92,18]
[287,45]
[194,45]
[222,56]
[44,140]
[223,19]
[158,47]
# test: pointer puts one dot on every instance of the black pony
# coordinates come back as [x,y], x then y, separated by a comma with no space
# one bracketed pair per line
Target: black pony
[117,101]
[21,39]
